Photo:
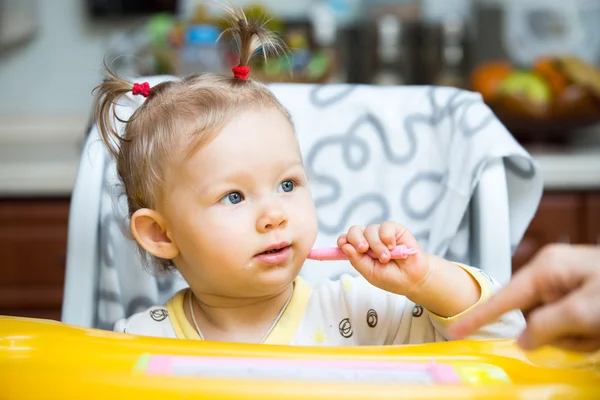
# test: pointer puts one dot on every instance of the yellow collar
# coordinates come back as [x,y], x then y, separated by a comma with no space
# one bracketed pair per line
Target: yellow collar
[282,333]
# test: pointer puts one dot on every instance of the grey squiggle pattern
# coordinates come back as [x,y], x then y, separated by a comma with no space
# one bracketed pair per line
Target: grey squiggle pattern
[356,155]
[438,112]
[517,170]
[370,198]
[165,283]
[138,304]
[318,98]
[348,142]
[396,159]
[451,108]
[510,165]
[334,184]
[422,236]
[106,248]
[469,131]
[106,297]
[355,152]
[105,325]
[425,176]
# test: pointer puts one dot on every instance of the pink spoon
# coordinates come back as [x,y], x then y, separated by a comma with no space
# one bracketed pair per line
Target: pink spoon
[333,253]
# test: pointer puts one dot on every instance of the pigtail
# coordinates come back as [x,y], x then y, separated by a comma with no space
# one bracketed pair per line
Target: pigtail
[110,91]
[251,38]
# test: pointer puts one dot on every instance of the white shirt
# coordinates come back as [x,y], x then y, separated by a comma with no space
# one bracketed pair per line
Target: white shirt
[346,312]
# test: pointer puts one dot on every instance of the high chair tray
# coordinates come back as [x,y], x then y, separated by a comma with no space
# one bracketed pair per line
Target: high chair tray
[51,360]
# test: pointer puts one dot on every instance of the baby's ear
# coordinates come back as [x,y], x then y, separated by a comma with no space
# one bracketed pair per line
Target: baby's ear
[150,230]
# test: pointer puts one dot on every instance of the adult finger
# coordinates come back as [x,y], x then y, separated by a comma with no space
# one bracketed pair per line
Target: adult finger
[578,344]
[519,293]
[570,316]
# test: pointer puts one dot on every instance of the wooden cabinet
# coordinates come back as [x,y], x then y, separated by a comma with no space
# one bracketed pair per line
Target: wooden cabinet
[593,218]
[561,217]
[33,244]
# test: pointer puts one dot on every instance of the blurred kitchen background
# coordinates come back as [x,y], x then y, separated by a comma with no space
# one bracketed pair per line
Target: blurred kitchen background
[536,63]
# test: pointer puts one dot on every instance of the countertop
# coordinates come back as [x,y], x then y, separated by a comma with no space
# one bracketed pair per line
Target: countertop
[39,157]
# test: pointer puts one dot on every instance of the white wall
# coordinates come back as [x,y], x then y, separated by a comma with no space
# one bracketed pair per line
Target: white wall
[55,72]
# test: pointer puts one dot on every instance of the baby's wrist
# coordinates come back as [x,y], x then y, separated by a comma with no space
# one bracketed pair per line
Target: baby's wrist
[420,291]
[447,290]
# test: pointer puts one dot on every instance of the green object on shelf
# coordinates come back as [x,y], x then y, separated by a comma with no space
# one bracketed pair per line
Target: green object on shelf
[272,68]
[277,66]
[317,66]
[159,27]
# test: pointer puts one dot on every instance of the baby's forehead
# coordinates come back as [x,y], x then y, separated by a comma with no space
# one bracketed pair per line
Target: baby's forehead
[251,142]
[231,158]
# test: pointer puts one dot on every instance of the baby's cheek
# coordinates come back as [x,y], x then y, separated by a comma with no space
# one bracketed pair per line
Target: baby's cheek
[306,220]
[212,232]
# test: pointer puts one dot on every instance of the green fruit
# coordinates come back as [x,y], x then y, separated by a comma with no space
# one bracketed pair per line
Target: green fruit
[528,86]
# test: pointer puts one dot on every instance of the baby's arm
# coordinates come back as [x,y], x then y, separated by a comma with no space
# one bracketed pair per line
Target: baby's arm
[440,286]
[447,289]
[508,325]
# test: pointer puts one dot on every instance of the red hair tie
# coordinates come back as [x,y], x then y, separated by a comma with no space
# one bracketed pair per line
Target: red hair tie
[141,88]
[241,71]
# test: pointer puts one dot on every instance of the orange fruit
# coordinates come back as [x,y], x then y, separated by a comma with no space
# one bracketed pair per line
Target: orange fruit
[486,78]
[546,68]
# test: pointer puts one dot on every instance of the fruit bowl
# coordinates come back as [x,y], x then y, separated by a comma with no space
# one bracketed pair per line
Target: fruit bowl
[549,102]
[572,109]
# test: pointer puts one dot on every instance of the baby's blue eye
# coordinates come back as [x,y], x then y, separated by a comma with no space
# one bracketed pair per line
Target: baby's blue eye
[287,186]
[233,198]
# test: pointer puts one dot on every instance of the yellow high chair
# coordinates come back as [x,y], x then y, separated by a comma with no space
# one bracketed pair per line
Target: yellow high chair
[434,159]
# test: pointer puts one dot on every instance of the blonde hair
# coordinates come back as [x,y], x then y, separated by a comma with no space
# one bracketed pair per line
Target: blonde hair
[178,113]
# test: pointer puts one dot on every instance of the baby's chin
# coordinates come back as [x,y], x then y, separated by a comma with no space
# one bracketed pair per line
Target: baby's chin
[278,276]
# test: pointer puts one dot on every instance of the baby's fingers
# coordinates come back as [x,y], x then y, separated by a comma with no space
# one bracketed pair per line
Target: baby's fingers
[342,240]
[360,261]
[356,238]
[387,233]
[375,243]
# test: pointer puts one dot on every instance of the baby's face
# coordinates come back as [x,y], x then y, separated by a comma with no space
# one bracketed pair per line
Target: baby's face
[240,209]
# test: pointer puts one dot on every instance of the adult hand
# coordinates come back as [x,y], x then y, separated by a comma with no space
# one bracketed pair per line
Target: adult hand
[558,291]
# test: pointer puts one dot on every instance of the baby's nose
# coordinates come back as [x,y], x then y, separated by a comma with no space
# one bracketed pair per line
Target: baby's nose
[273,218]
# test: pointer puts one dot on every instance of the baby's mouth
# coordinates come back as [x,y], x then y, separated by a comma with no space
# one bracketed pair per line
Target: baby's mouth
[275,249]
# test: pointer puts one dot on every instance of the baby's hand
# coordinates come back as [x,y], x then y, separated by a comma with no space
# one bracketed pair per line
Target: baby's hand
[403,277]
